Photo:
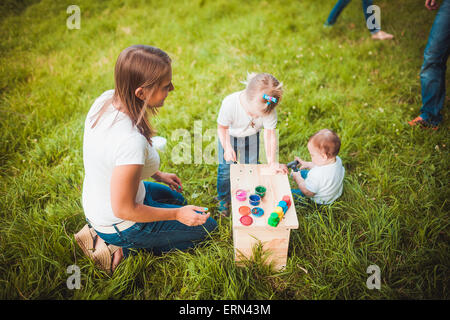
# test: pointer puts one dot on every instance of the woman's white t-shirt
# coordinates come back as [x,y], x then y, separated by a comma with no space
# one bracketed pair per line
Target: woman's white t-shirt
[112,142]
[233,116]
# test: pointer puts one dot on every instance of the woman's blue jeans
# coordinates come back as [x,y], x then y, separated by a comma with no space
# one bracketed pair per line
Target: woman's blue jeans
[247,151]
[160,236]
[341,4]
[432,73]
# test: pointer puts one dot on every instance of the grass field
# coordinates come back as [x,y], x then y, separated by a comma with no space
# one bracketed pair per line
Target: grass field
[395,208]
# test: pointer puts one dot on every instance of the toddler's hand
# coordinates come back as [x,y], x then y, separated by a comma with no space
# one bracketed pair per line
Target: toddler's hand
[229,155]
[279,168]
[303,164]
[283,168]
[296,175]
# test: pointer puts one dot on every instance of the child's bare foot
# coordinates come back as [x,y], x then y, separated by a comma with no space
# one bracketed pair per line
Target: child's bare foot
[381,35]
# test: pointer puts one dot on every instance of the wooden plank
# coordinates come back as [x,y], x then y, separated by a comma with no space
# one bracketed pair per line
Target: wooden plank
[275,244]
[249,176]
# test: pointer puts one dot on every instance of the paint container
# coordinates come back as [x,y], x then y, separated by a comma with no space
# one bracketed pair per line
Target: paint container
[244,210]
[246,220]
[284,205]
[287,199]
[241,195]
[257,211]
[254,200]
[260,191]
[274,220]
[279,211]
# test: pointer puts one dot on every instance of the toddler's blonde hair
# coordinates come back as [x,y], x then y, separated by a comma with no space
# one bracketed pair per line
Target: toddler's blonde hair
[263,83]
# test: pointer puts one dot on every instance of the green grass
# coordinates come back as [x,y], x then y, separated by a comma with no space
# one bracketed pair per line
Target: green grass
[394,210]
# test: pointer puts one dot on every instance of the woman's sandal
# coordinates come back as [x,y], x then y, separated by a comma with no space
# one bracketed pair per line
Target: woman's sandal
[103,256]
[86,239]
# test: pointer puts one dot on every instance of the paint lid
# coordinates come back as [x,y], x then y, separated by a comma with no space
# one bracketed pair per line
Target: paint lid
[241,195]
[244,210]
[257,211]
[246,220]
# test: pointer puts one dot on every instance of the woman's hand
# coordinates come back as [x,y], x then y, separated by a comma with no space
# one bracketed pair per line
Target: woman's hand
[170,179]
[192,215]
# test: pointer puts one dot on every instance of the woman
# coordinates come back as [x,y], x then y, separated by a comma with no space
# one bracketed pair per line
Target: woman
[122,210]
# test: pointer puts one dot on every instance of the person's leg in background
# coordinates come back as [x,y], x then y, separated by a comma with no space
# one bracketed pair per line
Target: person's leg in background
[336,11]
[375,29]
[432,73]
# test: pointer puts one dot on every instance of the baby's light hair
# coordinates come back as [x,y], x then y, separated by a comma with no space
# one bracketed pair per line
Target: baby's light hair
[258,84]
[327,141]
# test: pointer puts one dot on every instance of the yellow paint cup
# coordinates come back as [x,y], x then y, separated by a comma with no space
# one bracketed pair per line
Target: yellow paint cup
[279,211]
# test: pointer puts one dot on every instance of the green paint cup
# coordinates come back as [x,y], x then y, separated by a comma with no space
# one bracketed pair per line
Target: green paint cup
[260,191]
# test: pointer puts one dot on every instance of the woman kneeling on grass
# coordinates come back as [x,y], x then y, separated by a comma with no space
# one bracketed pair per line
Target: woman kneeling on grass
[122,210]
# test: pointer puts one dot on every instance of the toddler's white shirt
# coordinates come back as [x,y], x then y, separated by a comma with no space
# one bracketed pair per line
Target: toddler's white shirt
[326,182]
[112,142]
[233,115]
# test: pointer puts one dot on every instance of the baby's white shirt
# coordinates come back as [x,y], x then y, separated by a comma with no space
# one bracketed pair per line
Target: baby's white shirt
[326,182]
[233,116]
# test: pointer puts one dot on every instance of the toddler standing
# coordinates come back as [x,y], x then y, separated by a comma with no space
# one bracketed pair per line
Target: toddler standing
[241,117]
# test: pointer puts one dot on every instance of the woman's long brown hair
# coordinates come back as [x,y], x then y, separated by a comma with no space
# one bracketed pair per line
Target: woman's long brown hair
[137,66]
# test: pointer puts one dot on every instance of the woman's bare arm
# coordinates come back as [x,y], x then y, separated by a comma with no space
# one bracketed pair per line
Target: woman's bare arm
[124,186]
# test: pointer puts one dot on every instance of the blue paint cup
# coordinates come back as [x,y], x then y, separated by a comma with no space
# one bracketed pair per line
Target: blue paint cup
[254,200]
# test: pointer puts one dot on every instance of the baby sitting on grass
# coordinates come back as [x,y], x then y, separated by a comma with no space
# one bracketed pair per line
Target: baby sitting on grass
[322,178]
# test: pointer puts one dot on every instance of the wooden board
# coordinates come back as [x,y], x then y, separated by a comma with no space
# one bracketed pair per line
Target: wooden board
[275,243]
[274,239]
[249,176]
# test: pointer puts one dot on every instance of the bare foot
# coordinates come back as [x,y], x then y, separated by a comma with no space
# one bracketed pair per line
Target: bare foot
[381,35]
[116,259]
